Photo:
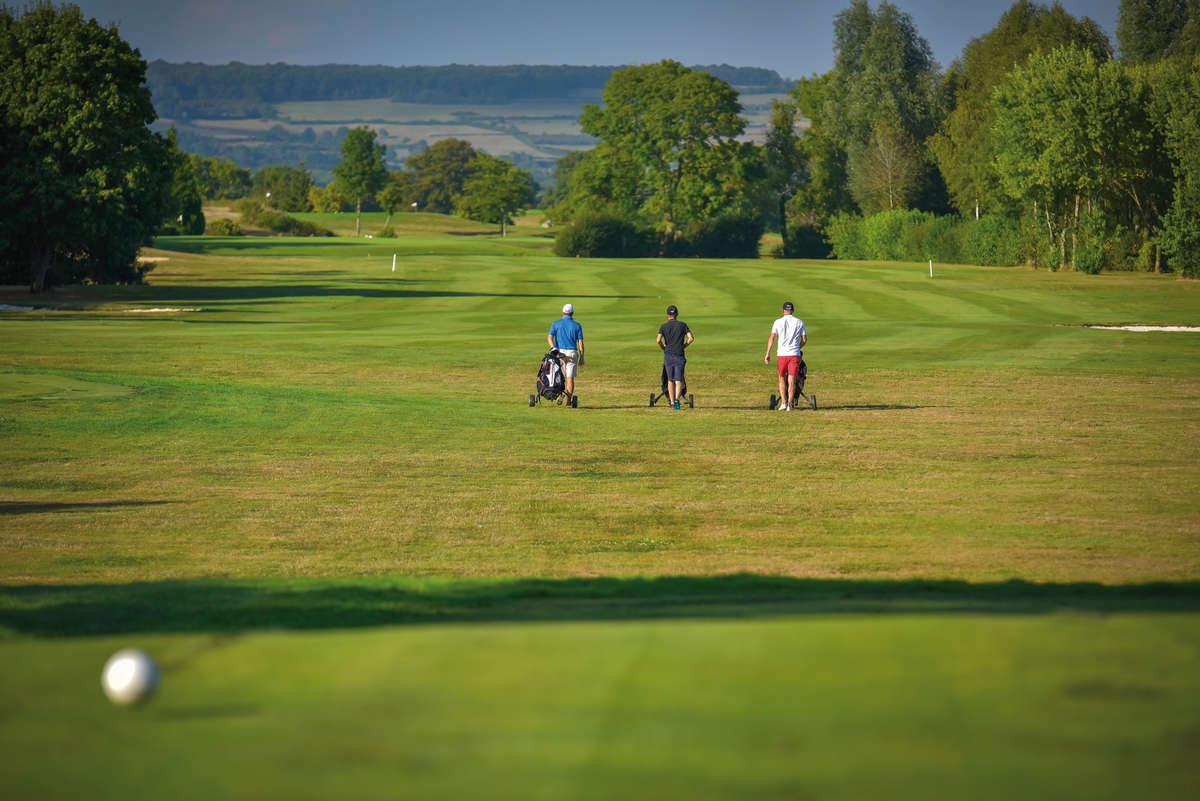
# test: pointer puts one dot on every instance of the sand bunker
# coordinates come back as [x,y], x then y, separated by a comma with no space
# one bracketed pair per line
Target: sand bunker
[1142,328]
[157,310]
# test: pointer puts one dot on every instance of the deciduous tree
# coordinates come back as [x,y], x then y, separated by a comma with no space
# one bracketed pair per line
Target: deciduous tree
[84,181]
[439,173]
[361,172]
[495,191]
[680,128]
[884,172]
[284,187]
[1148,30]
[964,148]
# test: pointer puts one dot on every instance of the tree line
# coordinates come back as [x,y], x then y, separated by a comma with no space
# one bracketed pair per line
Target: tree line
[236,90]
[1036,146]
[450,177]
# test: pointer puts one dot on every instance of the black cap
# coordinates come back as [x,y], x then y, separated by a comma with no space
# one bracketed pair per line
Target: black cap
[788,306]
[672,310]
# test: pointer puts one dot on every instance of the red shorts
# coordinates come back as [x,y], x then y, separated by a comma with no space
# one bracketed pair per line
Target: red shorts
[788,365]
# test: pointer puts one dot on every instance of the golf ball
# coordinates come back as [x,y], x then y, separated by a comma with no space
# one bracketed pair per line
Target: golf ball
[129,676]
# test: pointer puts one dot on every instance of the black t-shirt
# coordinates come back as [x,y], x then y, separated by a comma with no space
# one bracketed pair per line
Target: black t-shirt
[673,333]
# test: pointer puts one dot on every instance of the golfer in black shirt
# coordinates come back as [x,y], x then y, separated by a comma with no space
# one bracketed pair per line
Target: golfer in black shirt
[673,337]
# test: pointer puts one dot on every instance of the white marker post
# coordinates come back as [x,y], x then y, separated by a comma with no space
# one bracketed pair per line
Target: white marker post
[931,268]
[393,262]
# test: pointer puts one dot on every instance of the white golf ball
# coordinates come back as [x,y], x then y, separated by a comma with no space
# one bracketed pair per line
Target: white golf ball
[129,676]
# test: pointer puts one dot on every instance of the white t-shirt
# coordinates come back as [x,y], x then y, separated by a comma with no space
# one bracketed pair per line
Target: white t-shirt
[790,329]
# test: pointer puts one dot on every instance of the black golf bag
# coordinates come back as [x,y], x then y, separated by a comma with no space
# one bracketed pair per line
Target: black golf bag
[551,381]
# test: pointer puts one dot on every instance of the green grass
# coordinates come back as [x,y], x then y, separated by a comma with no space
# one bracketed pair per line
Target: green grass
[369,569]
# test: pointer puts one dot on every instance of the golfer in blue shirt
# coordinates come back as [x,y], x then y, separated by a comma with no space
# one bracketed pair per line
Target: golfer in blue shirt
[567,335]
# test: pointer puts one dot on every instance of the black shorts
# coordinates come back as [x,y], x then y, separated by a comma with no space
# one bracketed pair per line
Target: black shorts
[674,365]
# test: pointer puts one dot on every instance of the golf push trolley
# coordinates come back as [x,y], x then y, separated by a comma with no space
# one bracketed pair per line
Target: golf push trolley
[810,400]
[684,397]
[551,382]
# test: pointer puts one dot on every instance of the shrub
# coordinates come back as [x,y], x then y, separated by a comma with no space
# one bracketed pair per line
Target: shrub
[992,240]
[223,228]
[941,240]
[255,213]
[803,242]
[387,232]
[604,235]
[730,236]
[1089,243]
[844,233]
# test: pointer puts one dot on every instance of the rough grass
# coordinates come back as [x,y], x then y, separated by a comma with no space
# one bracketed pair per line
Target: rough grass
[370,570]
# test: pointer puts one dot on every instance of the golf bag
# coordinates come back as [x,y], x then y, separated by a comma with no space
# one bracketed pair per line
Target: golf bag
[551,381]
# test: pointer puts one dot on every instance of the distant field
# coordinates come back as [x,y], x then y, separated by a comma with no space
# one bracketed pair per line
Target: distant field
[314,490]
[385,110]
[539,131]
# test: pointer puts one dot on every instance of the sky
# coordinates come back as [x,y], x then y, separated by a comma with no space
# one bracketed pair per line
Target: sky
[794,38]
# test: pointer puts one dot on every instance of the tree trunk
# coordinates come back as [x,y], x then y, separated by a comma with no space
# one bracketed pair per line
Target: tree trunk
[783,219]
[39,266]
[357,214]
[503,227]
[1074,238]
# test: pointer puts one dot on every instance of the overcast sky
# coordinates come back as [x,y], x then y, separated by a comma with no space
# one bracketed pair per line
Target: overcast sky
[793,37]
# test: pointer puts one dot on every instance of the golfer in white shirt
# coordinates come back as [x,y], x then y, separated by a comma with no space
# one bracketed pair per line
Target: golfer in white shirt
[792,336]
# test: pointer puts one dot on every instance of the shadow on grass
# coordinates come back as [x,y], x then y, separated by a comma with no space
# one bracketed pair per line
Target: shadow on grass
[31,507]
[225,606]
[257,292]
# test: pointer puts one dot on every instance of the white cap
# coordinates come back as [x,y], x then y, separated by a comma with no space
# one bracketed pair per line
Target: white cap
[568,309]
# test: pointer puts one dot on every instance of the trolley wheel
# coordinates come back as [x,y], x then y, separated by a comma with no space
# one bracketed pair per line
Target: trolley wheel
[691,401]
[533,400]
[774,401]
[574,401]
[812,401]
[652,399]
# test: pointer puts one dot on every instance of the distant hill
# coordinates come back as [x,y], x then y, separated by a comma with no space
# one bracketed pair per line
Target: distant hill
[266,114]
[245,91]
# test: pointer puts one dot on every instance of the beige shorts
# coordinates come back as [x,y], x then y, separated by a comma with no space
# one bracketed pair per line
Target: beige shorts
[570,361]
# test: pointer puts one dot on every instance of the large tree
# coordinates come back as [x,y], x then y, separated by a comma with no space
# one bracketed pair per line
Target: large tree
[1150,29]
[884,174]
[1181,228]
[361,172]
[439,173]
[1074,143]
[284,187]
[495,191]
[185,214]
[605,179]
[85,182]
[784,160]
[826,190]
[680,127]
[885,80]
[964,148]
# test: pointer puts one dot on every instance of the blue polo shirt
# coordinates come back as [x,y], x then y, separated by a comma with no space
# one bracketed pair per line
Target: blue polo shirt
[566,333]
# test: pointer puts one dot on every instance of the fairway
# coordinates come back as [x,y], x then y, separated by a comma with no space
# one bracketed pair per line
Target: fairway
[369,569]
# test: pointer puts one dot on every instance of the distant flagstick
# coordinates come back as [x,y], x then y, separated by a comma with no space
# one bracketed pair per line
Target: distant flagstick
[394,263]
